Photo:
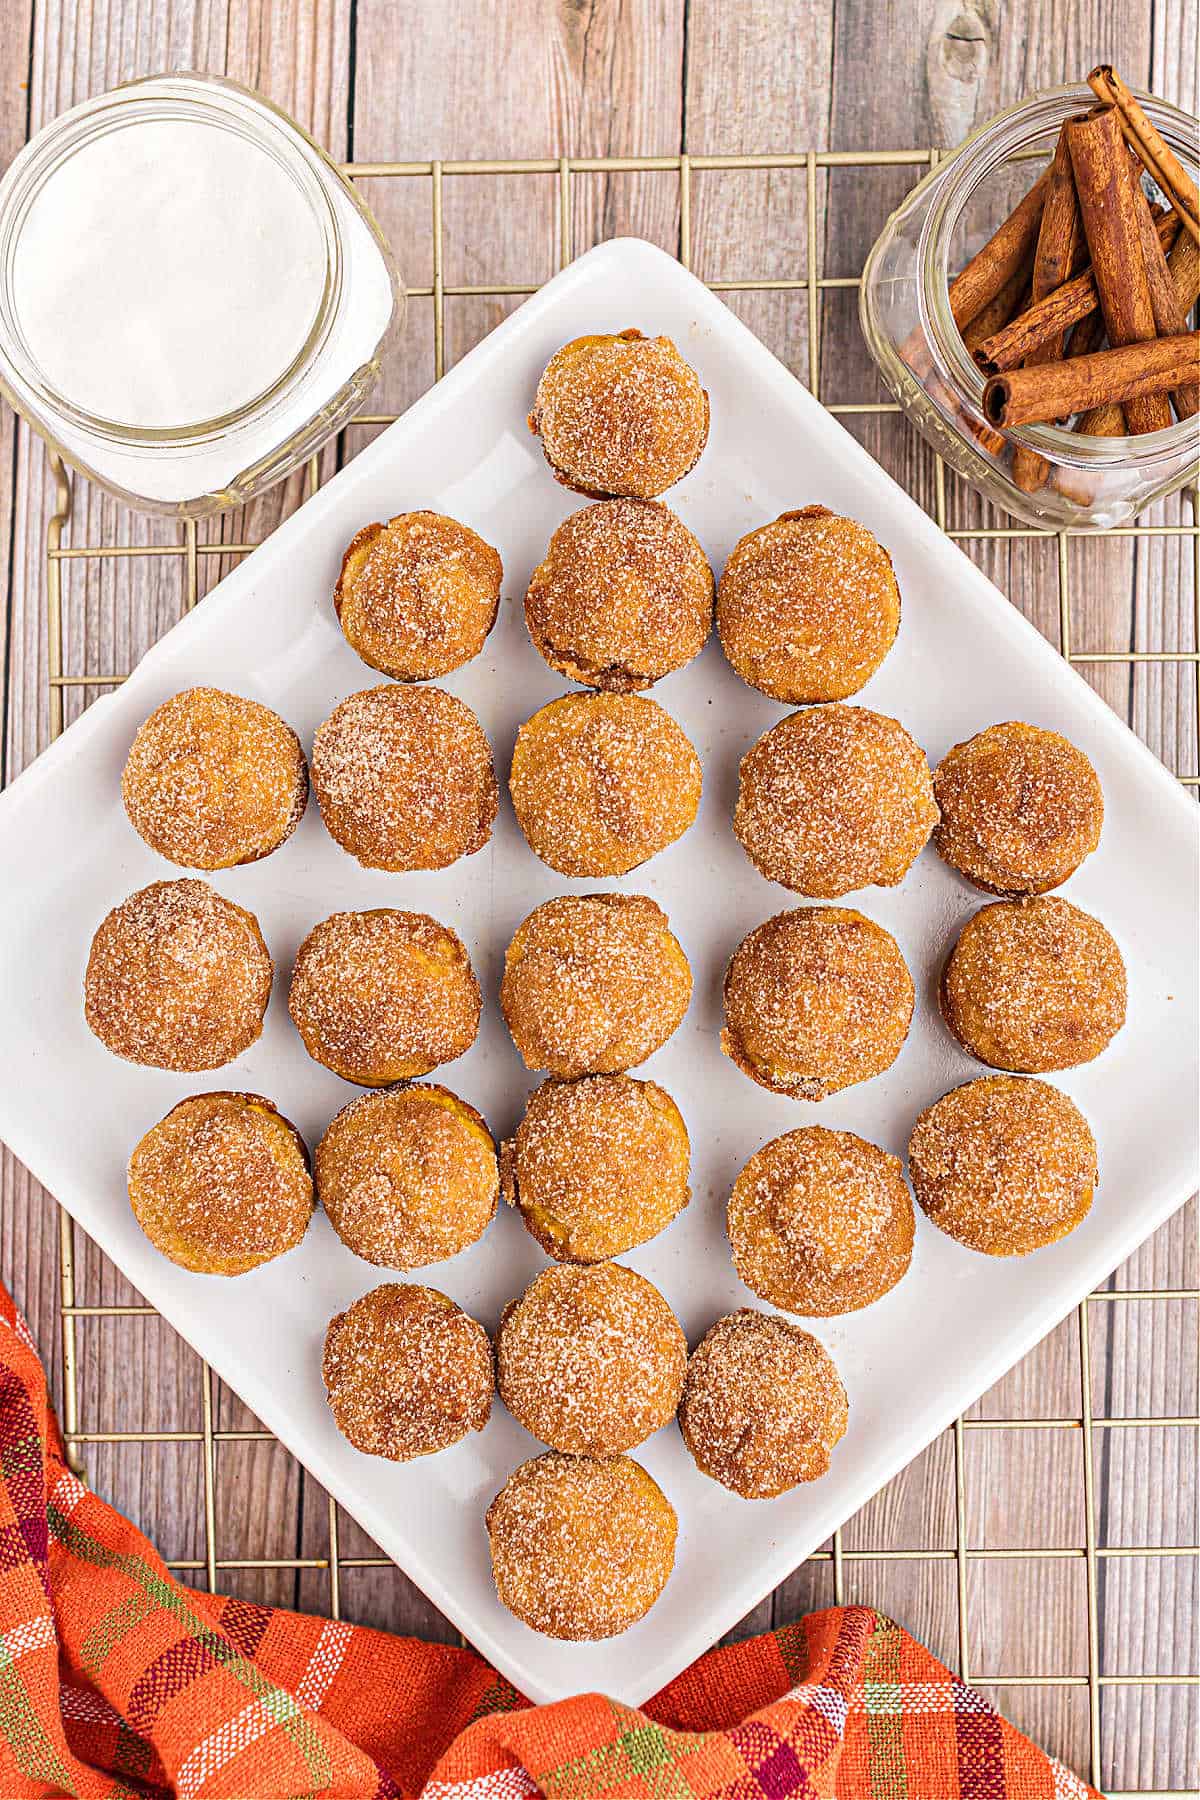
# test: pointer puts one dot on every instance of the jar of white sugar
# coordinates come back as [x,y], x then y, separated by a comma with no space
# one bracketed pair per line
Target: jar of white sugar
[192,296]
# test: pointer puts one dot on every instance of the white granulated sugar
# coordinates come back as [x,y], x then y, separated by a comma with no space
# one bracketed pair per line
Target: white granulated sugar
[170,266]
[236,260]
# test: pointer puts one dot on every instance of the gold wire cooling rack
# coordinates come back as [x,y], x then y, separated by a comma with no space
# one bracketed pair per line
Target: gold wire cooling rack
[191,550]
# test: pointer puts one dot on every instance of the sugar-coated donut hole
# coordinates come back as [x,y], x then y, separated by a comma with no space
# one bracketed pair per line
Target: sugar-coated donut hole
[221,1184]
[808,606]
[417,597]
[597,1166]
[213,780]
[590,1359]
[593,983]
[820,1222]
[407,1372]
[177,977]
[1005,1164]
[384,996]
[815,1000]
[407,1176]
[582,1546]
[620,414]
[763,1405]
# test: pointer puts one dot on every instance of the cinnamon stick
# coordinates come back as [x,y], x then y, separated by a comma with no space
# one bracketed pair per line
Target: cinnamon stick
[1013,297]
[1101,421]
[1061,245]
[1060,239]
[1170,317]
[1051,316]
[993,442]
[1128,374]
[1155,154]
[1002,255]
[1079,485]
[1087,336]
[1109,420]
[986,275]
[1184,264]
[999,310]
[1106,189]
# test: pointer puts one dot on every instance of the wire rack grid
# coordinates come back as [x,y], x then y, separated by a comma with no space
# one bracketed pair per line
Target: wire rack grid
[191,550]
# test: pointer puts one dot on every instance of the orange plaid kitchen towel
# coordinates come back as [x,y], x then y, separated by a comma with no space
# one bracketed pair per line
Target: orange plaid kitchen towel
[117,1681]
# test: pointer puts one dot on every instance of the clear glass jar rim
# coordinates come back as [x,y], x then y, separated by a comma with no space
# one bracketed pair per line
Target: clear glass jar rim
[960,177]
[262,123]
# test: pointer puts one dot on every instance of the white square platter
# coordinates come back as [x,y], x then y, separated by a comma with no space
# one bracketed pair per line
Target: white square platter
[964,659]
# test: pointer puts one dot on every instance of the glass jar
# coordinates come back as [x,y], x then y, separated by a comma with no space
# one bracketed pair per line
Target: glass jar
[1093,482]
[233,374]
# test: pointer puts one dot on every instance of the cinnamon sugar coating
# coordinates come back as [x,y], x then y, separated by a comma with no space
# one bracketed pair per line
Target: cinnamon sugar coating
[821,1222]
[408,1176]
[593,983]
[213,780]
[404,778]
[178,977]
[623,596]
[1034,985]
[384,995]
[1020,809]
[816,1000]
[601,782]
[582,1546]
[407,1372]
[590,1360]
[222,1184]
[620,415]
[1004,1165]
[763,1405]
[417,597]
[808,607]
[834,799]
[597,1166]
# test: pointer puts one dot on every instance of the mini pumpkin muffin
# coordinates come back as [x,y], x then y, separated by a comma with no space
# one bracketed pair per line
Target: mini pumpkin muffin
[1034,985]
[763,1405]
[1004,1165]
[834,799]
[624,596]
[597,1166]
[600,782]
[382,996]
[620,415]
[404,778]
[417,597]
[808,607]
[407,1372]
[1020,809]
[408,1176]
[821,1222]
[222,1184]
[816,1000]
[177,977]
[582,1546]
[593,983]
[590,1360]
[212,780]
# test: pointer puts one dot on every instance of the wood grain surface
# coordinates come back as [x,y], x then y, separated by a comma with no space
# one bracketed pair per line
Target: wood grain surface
[623,77]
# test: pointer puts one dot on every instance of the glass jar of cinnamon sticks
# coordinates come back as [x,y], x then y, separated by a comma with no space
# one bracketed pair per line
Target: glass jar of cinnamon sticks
[1030,306]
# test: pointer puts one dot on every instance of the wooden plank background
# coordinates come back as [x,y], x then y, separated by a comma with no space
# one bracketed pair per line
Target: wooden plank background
[612,77]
